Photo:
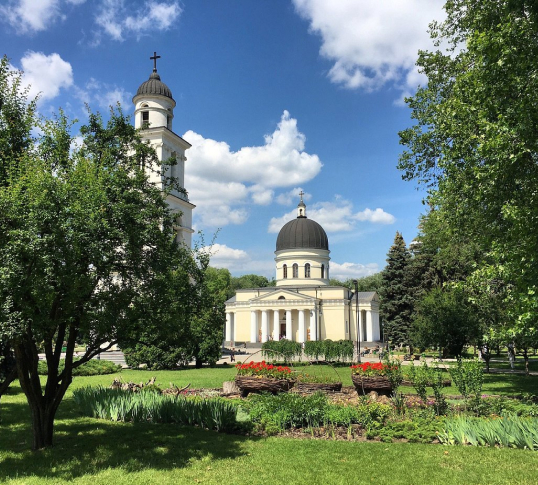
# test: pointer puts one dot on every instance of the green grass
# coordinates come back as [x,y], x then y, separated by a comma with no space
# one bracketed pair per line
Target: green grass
[94,451]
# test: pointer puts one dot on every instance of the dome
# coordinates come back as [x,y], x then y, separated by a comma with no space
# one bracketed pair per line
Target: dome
[302,233]
[153,86]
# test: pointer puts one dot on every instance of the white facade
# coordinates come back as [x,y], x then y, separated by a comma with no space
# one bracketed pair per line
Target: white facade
[302,306]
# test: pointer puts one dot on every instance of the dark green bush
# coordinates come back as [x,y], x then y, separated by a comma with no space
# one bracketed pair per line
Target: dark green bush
[329,350]
[281,349]
[153,357]
[93,367]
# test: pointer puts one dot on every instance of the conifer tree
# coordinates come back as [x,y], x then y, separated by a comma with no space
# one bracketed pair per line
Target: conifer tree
[396,300]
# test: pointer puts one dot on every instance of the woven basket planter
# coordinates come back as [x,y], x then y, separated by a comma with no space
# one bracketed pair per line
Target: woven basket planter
[249,384]
[364,384]
[318,386]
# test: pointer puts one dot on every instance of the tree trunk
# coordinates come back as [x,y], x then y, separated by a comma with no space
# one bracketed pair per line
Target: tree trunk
[42,427]
[7,381]
[526,357]
[198,363]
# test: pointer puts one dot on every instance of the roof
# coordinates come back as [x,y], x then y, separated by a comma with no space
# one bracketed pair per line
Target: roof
[154,86]
[302,233]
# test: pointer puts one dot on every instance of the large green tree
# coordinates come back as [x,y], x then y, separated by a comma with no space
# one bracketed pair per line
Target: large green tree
[84,241]
[474,143]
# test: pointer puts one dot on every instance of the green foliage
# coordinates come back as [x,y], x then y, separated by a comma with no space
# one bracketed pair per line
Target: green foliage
[290,410]
[474,146]
[284,348]
[468,377]
[424,376]
[396,300]
[415,431]
[93,367]
[447,320]
[118,405]
[506,431]
[331,351]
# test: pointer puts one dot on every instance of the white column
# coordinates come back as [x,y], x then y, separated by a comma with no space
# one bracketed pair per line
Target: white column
[253,326]
[314,324]
[276,325]
[289,327]
[369,329]
[228,335]
[265,325]
[375,326]
[301,326]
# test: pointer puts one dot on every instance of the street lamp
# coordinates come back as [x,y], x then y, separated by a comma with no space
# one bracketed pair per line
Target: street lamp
[356,284]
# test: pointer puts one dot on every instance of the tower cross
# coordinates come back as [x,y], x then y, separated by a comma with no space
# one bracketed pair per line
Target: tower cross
[154,58]
[301,194]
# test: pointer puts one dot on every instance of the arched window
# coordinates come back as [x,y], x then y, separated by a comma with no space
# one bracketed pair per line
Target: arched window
[307,270]
[322,271]
[295,270]
[285,270]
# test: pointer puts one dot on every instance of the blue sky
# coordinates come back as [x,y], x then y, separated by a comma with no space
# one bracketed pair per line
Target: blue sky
[275,96]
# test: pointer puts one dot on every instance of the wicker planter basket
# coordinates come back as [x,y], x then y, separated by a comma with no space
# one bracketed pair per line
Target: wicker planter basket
[249,384]
[364,384]
[318,386]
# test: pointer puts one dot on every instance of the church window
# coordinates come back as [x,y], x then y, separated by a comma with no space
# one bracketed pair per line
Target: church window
[285,270]
[307,270]
[322,271]
[295,270]
[145,119]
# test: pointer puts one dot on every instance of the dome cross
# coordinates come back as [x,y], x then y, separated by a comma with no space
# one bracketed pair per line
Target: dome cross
[154,59]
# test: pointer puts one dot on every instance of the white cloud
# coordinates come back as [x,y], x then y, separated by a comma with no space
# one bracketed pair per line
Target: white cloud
[118,20]
[337,216]
[218,178]
[378,216]
[292,196]
[46,75]
[238,261]
[372,42]
[104,95]
[345,271]
[30,15]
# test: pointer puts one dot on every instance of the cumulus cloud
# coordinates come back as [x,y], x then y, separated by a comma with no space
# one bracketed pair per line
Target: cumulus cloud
[46,75]
[378,216]
[291,196]
[218,178]
[345,271]
[337,216]
[30,15]
[238,261]
[371,42]
[104,95]
[117,20]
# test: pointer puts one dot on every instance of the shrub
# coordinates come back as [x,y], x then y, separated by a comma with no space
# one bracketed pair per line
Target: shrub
[275,349]
[468,376]
[93,367]
[330,350]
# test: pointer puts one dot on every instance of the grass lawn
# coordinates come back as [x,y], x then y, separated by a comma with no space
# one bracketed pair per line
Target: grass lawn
[93,451]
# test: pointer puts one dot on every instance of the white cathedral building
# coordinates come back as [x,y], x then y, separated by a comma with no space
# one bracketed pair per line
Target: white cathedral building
[303,306]
[154,112]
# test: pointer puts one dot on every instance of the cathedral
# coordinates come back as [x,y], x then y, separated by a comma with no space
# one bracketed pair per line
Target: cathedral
[303,306]
[154,112]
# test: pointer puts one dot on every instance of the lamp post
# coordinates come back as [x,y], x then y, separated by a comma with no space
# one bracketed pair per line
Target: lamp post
[356,284]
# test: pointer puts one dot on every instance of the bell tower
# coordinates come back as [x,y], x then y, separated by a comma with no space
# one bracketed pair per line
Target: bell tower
[154,112]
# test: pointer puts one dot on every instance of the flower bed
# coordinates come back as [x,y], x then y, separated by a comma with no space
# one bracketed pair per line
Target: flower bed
[376,377]
[259,376]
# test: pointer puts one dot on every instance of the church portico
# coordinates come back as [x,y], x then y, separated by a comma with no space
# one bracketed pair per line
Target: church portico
[303,306]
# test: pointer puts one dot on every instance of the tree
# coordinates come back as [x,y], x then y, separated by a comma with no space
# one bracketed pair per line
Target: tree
[84,241]
[8,368]
[396,300]
[447,320]
[248,281]
[474,143]
[366,283]
[190,321]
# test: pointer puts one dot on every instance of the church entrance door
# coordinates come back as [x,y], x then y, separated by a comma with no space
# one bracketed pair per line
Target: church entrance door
[283,330]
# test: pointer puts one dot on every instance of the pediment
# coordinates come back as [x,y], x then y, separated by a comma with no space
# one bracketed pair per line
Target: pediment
[282,294]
